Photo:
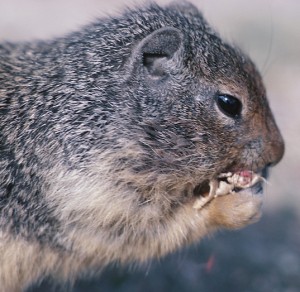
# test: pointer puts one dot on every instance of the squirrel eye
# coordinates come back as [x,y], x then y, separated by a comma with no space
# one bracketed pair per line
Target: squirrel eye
[229,105]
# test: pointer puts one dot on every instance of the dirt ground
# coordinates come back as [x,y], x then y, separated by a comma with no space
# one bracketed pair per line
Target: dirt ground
[262,257]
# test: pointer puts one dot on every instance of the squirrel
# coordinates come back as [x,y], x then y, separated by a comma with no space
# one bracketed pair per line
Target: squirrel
[111,134]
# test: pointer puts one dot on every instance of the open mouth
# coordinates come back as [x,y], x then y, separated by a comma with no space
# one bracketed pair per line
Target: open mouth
[228,183]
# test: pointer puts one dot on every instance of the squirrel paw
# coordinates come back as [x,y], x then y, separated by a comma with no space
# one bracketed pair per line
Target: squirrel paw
[235,210]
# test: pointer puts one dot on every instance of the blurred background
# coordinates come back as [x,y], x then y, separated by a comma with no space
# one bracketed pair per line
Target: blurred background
[264,256]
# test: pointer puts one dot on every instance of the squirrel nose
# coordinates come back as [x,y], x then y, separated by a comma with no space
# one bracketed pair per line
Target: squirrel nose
[276,150]
[275,144]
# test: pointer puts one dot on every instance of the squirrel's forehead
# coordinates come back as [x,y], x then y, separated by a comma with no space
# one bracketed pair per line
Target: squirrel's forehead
[221,63]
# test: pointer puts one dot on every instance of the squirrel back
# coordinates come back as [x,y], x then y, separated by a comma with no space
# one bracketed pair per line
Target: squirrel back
[110,134]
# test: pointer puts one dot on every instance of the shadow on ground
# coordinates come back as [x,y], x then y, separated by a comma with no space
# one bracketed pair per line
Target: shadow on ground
[261,258]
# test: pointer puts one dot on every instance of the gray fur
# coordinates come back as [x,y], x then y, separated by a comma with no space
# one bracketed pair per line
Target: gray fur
[106,132]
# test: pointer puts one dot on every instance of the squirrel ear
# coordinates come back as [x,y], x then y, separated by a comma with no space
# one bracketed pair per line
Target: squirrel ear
[157,49]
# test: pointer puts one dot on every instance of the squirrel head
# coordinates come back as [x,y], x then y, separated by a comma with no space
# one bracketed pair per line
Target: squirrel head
[198,104]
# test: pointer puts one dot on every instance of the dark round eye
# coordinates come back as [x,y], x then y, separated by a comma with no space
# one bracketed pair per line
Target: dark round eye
[229,105]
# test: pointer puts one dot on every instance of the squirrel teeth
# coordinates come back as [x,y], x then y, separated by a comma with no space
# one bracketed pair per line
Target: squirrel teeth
[226,183]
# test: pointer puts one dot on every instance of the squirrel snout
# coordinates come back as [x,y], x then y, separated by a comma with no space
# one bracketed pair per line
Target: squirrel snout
[266,140]
[274,144]
[266,149]
[271,148]
[276,151]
